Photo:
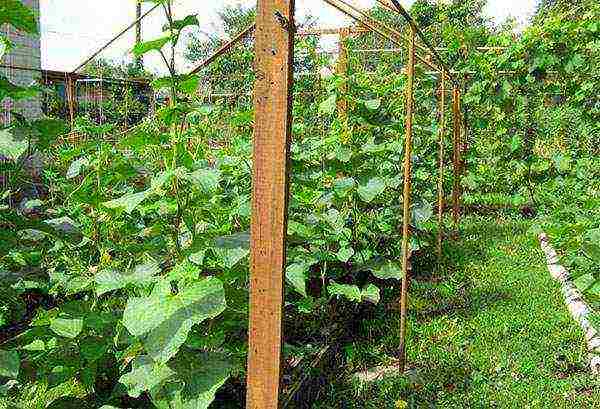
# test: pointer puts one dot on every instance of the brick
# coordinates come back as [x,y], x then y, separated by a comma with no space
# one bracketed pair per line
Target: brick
[26,53]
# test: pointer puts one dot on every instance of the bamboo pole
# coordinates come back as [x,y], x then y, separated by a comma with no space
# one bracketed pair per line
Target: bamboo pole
[70,91]
[274,51]
[442,135]
[139,61]
[375,26]
[402,11]
[456,158]
[225,48]
[115,38]
[407,199]
[342,69]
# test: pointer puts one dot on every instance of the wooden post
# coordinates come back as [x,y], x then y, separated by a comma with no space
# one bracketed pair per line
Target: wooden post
[272,101]
[70,92]
[441,165]
[456,158]
[342,69]
[406,218]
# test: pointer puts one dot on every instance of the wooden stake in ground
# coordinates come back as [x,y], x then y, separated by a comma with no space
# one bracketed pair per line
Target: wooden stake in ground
[406,217]
[575,303]
[441,165]
[272,103]
[456,142]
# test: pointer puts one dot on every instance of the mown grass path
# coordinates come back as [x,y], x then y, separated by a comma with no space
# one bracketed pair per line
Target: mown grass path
[490,331]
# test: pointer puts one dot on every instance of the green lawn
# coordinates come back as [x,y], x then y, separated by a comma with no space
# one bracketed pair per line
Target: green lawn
[489,331]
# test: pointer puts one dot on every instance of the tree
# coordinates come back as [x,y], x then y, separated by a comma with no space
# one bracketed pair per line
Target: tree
[233,19]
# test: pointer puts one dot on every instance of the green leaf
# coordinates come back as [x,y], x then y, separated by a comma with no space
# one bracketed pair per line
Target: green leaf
[229,257]
[373,104]
[334,219]
[198,257]
[191,20]
[593,236]
[154,45]
[574,63]
[345,253]
[188,85]
[36,345]
[562,163]
[421,213]
[163,320]
[5,46]
[351,292]
[515,143]
[67,327]
[232,249]
[48,131]
[387,269]
[9,364]
[592,250]
[128,202]
[343,153]
[93,348]
[110,280]
[296,274]
[16,92]
[207,180]
[145,375]
[158,181]
[11,148]
[199,378]
[371,293]
[342,187]
[328,106]
[15,13]
[76,167]
[373,188]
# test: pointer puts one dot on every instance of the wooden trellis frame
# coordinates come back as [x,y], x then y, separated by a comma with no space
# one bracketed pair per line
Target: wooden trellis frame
[274,49]
[272,100]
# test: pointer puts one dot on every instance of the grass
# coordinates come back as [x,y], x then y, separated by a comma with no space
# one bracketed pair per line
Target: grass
[491,331]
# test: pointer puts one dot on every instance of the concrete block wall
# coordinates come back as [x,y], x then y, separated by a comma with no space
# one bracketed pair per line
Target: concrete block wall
[27,54]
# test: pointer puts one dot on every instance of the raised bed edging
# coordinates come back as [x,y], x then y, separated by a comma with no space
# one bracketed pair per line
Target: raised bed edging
[575,302]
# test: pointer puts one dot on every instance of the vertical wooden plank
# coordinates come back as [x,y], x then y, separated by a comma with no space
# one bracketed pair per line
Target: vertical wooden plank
[272,103]
[442,119]
[456,158]
[407,198]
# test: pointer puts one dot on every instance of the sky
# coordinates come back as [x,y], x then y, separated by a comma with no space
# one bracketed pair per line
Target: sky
[74,29]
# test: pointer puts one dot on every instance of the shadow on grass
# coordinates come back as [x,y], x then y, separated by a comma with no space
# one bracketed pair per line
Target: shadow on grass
[441,295]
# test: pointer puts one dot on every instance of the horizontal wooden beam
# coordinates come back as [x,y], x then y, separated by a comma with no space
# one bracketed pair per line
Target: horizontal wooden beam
[330,31]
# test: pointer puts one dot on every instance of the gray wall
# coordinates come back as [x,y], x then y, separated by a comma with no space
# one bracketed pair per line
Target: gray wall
[27,54]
